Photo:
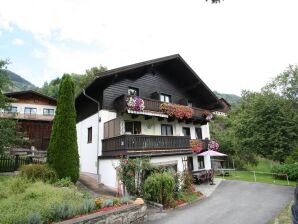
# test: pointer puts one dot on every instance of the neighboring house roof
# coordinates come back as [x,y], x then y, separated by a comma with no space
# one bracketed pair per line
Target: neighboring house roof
[178,68]
[21,93]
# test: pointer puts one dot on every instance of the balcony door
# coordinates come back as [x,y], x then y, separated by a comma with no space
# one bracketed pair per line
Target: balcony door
[133,127]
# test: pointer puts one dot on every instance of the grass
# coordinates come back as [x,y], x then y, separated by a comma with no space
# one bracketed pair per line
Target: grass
[264,165]
[262,178]
[284,217]
[20,199]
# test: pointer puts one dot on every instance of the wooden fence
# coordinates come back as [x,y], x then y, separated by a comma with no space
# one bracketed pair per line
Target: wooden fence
[12,163]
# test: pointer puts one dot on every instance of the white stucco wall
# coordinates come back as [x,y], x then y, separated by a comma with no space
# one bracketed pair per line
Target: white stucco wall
[109,175]
[88,151]
[108,172]
[153,126]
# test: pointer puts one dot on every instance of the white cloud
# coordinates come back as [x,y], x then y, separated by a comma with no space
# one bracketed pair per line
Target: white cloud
[232,46]
[18,42]
[37,53]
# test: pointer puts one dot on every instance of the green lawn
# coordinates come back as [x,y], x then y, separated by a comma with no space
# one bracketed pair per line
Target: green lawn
[264,165]
[249,176]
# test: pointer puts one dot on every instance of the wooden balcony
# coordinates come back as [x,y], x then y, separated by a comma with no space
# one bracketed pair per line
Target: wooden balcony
[20,116]
[152,105]
[142,145]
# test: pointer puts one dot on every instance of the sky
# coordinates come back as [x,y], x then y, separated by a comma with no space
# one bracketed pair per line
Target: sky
[234,45]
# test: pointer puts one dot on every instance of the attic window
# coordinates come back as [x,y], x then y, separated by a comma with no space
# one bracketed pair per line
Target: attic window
[133,91]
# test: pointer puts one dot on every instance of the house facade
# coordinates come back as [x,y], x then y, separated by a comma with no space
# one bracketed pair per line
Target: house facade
[153,108]
[34,113]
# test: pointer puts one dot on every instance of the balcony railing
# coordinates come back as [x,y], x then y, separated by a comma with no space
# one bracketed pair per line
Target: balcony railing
[27,116]
[153,105]
[145,145]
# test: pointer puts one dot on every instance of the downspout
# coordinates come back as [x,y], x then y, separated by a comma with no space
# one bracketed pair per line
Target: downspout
[99,119]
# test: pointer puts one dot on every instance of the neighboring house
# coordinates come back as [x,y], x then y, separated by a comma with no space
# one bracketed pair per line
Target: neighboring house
[123,128]
[34,113]
[226,108]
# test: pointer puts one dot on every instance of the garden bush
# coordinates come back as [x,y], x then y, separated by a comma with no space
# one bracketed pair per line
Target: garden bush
[64,182]
[23,200]
[290,169]
[159,187]
[36,172]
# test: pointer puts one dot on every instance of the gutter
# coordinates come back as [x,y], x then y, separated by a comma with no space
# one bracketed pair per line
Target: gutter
[99,120]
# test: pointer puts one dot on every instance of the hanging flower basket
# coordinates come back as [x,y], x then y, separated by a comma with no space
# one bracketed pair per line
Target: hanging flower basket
[196,145]
[213,145]
[175,110]
[135,103]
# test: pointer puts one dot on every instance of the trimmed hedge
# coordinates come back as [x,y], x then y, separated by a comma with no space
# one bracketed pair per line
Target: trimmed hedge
[290,169]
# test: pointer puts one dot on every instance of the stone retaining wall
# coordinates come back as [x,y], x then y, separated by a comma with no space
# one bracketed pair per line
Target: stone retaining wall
[133,214]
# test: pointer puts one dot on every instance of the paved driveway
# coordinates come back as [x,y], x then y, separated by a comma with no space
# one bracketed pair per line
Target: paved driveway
[233,202]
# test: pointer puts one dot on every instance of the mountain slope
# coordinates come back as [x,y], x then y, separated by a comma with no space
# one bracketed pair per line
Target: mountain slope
[231,98]
[18,83]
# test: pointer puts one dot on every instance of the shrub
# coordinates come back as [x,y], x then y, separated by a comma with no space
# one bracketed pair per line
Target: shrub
[64,182]
[124,200]
[63,153]
[293,157]
[36,172]
[98,203]
[159,188]
[34,218]
[18,185]
[61,211]
[87,206]
[116,201]
[290,169]
[108,203]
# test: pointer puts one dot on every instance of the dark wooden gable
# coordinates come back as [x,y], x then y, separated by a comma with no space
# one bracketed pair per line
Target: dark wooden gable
[169,75]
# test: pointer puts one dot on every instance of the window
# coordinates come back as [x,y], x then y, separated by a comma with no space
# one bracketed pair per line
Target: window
[198,133]
[89,140]
[189,103]
[166,129]
[133,127]
[11,109]
[133,91]
[165,98]
[48,111]
[186,131]
[201,162]
[29,110]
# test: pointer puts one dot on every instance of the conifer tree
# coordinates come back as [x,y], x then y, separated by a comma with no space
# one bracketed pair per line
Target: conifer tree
[63,149]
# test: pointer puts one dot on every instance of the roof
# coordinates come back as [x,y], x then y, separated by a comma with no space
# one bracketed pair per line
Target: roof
[226,102]
[173,62]
[19,93]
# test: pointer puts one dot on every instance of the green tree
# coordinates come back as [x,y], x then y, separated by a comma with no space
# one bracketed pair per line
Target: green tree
[9,136]
[80,81]
[266,123]
[63,150]
[286,84]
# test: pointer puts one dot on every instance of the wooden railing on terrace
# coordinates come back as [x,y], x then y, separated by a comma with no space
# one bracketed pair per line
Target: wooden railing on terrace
[152,105]
[145,144]
[26,116]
